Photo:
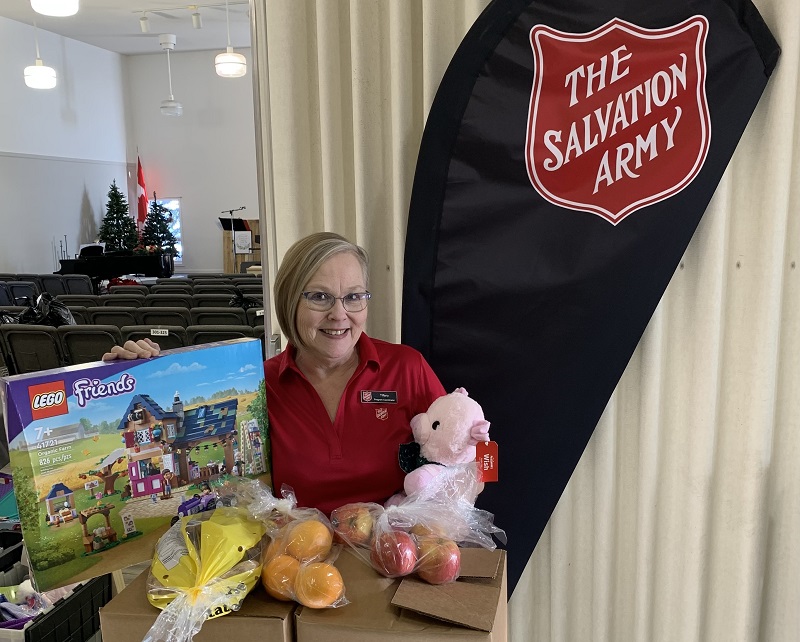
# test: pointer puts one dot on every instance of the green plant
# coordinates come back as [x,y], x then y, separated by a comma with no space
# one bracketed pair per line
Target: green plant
[118,229]
[155,231]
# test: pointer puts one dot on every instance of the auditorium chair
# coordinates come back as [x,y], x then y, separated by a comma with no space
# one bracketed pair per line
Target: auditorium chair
[85,343]
[199,334]
[210,281]
[211,300]
[30,348]
[78,284]
[32,278]
[256,289]
[168,300]
[53,284]
[258,333]
[112,315]
[128,289]
[255,316]
[166,336]
[123,300]
[80,314]
[214,288]
[166,316]
[5,294]
[23,292]
[86,300]
[171,288]
[218,316]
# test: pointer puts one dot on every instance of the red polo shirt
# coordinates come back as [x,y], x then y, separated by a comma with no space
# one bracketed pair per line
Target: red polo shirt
[353,459]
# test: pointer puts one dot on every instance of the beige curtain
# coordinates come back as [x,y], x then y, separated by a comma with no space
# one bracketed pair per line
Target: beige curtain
[682,520]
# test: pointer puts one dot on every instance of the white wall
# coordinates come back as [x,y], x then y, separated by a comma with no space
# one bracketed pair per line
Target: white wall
[59,148]
[207,156]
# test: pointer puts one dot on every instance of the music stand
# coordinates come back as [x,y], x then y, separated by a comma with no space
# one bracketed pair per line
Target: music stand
[233,225]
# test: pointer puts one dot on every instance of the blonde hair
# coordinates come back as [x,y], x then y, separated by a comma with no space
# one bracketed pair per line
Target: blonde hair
[299,264]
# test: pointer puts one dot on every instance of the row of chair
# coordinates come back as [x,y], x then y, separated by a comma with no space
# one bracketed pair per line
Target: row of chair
[148,300]
[192,276]
[30,348]
[187,287]
[27,287]
[156,316]
[17,286]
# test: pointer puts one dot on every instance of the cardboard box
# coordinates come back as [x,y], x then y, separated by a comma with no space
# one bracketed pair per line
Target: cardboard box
[105,456]
[383,610]
[129,616]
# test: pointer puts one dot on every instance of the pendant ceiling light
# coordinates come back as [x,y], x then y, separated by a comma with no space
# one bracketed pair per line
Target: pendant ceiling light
[228,63]
[169,107]
[38,76]
[144,23]
[58,8]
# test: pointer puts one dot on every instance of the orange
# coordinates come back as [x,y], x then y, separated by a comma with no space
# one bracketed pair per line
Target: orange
[309,541]
[276,547]
[279,577]
[318,585]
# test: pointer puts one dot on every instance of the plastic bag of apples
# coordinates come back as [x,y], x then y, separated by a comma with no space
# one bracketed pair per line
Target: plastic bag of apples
[298,561]
[424,532]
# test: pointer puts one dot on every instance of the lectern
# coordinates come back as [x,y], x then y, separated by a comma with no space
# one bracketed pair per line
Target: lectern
[230,254]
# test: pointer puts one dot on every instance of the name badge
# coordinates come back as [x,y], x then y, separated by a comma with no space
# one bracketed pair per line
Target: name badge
[378,396]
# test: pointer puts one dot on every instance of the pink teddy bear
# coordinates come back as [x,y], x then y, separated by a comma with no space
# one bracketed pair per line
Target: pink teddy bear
[445,435]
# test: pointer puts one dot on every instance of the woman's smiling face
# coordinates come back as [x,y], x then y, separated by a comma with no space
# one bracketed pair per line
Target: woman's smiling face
[330,337]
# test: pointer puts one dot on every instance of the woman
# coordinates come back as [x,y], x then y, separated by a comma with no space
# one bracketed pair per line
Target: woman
[339,402]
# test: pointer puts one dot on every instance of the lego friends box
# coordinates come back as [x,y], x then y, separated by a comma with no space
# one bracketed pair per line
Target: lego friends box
[105,456]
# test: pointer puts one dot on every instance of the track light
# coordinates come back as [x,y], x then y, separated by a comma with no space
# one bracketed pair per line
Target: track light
[197,20]
[144,23]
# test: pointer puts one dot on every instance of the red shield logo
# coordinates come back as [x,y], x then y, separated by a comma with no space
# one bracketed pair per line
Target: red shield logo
[382,413]
[618,116]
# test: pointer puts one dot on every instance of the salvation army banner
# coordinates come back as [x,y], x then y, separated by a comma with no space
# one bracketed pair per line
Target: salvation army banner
[568,157]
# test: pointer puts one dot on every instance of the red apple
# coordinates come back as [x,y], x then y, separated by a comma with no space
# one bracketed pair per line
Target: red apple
[353,524]
[439,560]
[393,553]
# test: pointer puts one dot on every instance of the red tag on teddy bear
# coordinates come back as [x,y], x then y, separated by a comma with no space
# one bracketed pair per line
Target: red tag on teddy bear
[486,456]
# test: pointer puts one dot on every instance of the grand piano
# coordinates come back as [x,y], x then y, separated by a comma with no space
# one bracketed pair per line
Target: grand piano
[111,265]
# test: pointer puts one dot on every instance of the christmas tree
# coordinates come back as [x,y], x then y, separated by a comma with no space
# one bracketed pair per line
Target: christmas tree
[118,229]
[156,230]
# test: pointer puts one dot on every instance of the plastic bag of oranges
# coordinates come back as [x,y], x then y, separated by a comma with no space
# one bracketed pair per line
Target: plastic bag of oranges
[422,533]
[203,567]
[298,562]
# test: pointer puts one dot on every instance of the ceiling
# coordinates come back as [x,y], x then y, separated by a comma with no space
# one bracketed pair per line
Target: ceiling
[114,24]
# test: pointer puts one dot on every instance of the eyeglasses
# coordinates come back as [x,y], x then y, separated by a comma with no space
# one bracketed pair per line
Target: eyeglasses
[322,301]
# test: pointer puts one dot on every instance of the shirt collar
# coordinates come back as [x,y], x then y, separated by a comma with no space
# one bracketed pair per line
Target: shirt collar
[367,355]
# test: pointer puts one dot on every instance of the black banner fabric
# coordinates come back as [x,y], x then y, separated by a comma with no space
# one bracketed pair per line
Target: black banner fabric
[568,157]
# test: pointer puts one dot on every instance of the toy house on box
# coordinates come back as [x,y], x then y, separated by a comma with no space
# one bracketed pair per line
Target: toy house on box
[159,441]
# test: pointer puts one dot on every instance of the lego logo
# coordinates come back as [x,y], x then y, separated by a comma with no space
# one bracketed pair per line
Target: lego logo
[48,399]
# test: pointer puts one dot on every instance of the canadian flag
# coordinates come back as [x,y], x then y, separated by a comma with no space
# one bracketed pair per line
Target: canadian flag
[141,196]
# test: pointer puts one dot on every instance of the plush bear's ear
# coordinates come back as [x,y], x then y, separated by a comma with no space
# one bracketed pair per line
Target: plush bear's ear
[479,432]
[461,391]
